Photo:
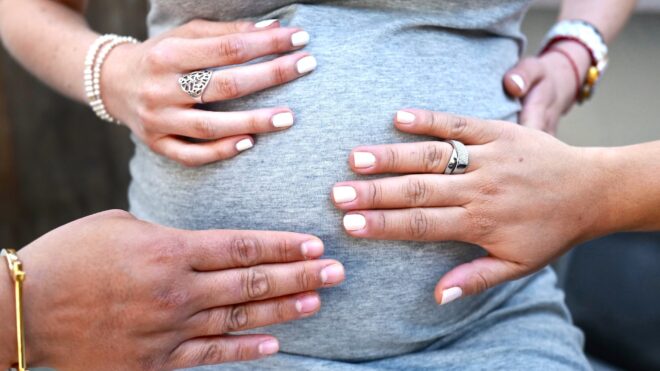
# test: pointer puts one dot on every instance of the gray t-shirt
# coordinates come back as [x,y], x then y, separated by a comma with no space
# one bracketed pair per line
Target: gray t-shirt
[375,57]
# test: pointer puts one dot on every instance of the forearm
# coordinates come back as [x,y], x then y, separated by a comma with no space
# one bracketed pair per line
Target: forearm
[54,45]
[609,16]
[629,180]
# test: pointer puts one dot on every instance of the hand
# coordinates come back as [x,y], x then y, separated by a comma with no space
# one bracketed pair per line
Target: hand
[109,292]
[140,87]
[547,85]
[526,196]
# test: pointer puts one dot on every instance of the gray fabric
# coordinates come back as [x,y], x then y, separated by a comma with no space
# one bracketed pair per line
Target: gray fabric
[374,57]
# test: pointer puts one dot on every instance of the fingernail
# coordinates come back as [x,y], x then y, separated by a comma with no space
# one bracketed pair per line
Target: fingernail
[300,38]
[308,304]
[451,294]
[354,222]
[312,249]
[405,117]
[243,145]
[269,347]
[332,274]
[265,23]
[363,159]
[306,64]
[344,194]
[518,80]
[282,120]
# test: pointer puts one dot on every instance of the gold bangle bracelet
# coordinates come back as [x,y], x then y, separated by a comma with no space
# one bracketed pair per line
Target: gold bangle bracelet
[18,276]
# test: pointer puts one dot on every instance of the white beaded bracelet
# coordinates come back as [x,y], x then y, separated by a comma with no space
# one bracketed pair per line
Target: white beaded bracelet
[96,55]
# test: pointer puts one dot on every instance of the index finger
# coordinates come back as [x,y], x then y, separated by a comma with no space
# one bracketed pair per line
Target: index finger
[225,249]
[468,130]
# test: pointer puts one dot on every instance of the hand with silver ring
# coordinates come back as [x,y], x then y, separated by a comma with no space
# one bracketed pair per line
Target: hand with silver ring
[155,87]
[511,200]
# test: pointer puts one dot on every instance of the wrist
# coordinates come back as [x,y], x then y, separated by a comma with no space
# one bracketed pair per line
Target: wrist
[8,351]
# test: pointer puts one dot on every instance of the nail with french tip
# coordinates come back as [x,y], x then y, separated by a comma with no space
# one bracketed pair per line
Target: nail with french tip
[451,294]
[269,347]
[306,64]
[311,249]
[244,144]
[265,23]
[405,117]
[354,222]
[300,38]
[332,274]
[343,194]
[363,160]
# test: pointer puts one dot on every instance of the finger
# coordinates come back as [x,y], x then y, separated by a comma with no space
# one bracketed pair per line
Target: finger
[475,277]
[407,158]
[200,28]
[532,116]
[187,55]
[523,77]
[218,321]
[216,250]
[468,130]
[421,224]
[237,82]
[410,191]
[262,282]
[198,154]
[221,349]
[202,124]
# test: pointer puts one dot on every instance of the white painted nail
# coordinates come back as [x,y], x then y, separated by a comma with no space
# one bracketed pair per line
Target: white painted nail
[300,38]
[354,222]
[363,159]
[306,64]
[518,80]
[282,120]
[243,145]
[451,294]
[265,23]
[344,194]
[405,117]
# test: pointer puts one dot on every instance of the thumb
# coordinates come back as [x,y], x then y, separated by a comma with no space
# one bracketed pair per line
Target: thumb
[475,277]
[522,77]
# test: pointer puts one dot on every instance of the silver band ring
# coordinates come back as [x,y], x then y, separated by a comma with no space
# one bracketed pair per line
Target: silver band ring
[460,158]
[194,84]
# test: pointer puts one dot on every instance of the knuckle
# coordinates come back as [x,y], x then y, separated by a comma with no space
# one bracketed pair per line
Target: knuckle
[257,284]
[456,126]
[432,158]
[238,318]
[279,74]
[211,353]
[282,310]
[418,224]
[186,158]
[170,297]
[253,124]
[305,279]
[482,226]
[392,161]
[205,128]
[158,57]
[226,85]
[246,252]
[232,48]
[481,283]
[149,95]
[376,192]
[417,192]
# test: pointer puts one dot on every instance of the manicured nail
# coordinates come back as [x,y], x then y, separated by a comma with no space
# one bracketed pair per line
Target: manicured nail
[451,294]
[243,145]
[354,222]
[405,117]
[308,304]
[312,249]
[269,347]
[332,274]
[363,159]
[344,194]
[282,120]
[300,38]
[306,64]
[265,23]
[518,80]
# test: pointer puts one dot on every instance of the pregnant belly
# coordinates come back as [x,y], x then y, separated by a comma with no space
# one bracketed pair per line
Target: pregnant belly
[283,183]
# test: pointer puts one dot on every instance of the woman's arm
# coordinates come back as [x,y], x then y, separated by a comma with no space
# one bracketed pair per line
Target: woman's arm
[546,83]
[526,197]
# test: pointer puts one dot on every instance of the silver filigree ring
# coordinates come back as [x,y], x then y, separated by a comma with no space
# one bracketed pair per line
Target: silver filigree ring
[460,158]
[195,83]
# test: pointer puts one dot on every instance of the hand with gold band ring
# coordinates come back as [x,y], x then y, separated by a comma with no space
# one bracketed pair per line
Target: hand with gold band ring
[511,199]
[155,87]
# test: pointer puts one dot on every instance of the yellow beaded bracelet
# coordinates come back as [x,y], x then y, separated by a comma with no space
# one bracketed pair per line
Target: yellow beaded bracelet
[18,275]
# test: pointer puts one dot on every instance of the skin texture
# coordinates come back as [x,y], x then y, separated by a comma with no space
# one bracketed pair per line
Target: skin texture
[526,197]
[110,292]
[549,84]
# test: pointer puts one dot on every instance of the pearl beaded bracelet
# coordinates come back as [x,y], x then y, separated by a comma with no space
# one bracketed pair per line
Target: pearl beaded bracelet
[96,55]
